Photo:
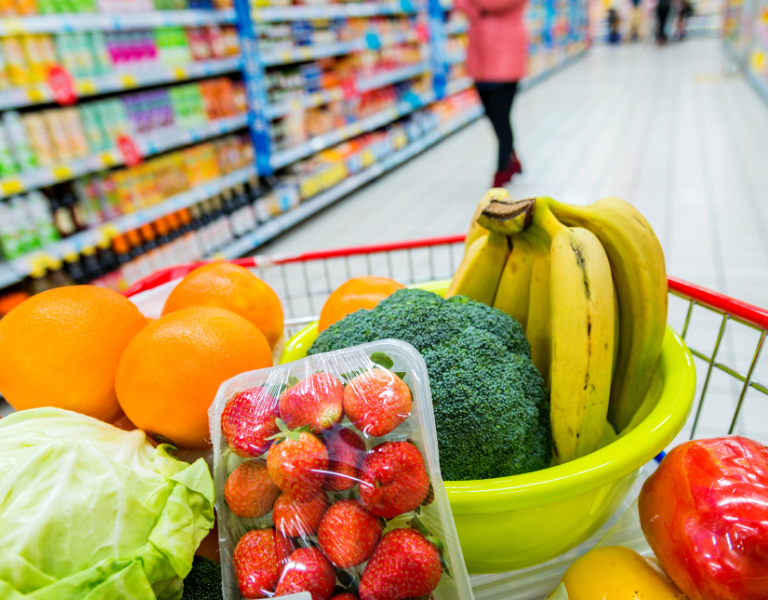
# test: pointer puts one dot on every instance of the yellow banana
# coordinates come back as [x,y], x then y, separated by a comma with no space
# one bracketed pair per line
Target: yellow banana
[475,229]
[639,273]
[514,289]
[537,326]
[583,311]
[480,270]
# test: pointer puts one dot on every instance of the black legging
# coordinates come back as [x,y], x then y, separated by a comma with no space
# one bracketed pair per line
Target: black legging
[662,13]
[497,100]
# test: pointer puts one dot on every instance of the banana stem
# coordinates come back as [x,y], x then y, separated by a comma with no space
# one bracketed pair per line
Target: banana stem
[544,218]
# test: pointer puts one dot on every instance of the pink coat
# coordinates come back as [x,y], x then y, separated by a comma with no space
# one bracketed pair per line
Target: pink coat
[498,44]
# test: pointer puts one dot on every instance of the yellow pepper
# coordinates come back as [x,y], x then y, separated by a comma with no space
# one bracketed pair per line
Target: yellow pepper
[615,573]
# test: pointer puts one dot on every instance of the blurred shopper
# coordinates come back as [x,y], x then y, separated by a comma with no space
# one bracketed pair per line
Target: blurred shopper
[636,24]
[662,14]
[684,11]
[614,24]
[496,59]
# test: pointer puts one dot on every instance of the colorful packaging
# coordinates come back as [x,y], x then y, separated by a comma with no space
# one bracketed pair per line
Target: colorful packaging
[20,145]
[327,475]
[8,164]
[39,210]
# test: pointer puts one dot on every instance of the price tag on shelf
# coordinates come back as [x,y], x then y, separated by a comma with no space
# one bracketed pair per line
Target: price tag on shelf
[349,88]
[12,186]
[129,150]
[286,56]
[129,81]
[108,159]
[62,85]
[62,172]
[86,87]
[36,94]
[179,72]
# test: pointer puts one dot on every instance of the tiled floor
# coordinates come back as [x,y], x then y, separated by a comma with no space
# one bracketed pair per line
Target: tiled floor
[667,130]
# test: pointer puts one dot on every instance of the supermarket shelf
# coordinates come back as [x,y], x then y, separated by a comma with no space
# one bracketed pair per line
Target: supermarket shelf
[539,77]
[456,27]
[363,85]
[459,85]
[456,57]
[67,23]
[310,207]
[152,144]
[302,53]
[333,11]
[114,82]
[321,142]
[18,269]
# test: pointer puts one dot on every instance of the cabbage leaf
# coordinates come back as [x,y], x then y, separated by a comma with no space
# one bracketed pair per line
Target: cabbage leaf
[92,512]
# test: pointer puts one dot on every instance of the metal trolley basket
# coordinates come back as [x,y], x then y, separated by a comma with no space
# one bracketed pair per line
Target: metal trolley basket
[725,335]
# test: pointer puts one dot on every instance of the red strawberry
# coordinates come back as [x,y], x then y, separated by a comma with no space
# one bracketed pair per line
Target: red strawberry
[348,533]
[258,558]
[297,463]
[296,518]
[248,420]
[345,453]
[377,401]
[404,565]
[393,479]
[307,570]
[315,401]
[249,492]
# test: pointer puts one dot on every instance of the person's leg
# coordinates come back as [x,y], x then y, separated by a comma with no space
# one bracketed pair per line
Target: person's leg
[493,101]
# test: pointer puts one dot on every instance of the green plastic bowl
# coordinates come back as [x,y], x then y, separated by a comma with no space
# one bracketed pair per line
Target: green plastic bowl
[515,522]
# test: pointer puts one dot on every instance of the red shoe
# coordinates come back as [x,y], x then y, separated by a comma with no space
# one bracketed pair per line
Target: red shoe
[502,177]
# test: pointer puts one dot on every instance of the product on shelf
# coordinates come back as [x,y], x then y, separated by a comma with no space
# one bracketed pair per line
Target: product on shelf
[42,138]
[28,58]
[20,8]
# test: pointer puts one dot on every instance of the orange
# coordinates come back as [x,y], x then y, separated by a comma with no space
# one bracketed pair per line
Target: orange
[171,371]
[357,293]
[235,288]
[61,348]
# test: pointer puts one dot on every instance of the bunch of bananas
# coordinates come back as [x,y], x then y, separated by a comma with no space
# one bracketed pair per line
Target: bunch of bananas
[589,286]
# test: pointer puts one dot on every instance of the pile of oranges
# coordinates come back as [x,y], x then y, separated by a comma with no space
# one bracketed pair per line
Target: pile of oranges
[90,350]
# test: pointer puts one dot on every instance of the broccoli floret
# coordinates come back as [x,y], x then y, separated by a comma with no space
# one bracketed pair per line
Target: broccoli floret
[203,581]
[352,330]
[488,405]
[415,316]
[494,321]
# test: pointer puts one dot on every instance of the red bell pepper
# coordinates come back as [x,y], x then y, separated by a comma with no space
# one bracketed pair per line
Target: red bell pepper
[705,514]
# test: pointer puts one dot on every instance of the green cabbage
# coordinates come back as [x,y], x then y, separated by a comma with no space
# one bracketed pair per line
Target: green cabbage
[91,512]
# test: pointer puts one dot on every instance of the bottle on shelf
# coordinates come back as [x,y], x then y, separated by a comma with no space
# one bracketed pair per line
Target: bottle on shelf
[91,263]
[122,252]
[57,274]
[38,278]
[75,268]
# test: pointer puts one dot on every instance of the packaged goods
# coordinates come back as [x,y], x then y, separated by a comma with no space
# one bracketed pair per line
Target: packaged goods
[349,495]
[704,513]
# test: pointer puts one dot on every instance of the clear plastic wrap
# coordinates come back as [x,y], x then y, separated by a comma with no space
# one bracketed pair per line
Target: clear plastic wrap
[348,498]
[704,513]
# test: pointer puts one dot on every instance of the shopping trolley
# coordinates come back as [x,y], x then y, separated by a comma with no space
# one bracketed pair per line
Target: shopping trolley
[725,335]
[304,280]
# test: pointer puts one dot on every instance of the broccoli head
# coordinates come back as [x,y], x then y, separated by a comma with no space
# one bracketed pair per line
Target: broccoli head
[488,406]
[203,581]
[496,322]
[490,403]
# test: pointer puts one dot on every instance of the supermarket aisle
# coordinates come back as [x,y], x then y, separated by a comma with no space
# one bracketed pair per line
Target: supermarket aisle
[664,129]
